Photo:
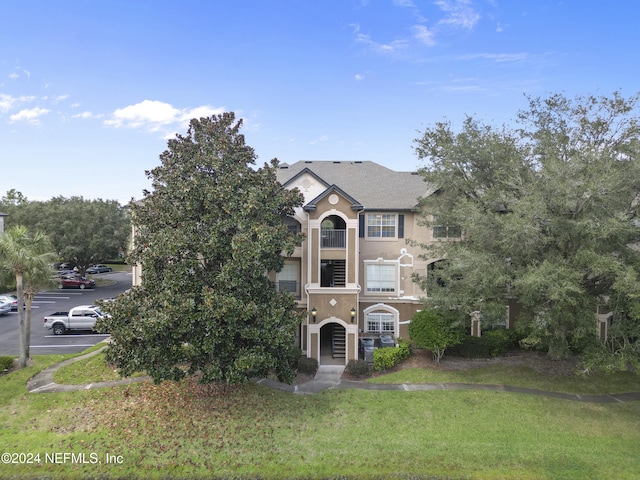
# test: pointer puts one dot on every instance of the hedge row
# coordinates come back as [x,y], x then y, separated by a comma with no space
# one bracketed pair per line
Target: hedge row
[385,358]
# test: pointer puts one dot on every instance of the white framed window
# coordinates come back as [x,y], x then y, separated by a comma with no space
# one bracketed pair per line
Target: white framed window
[381,277]
[289,278]
[380,322]
[381,225]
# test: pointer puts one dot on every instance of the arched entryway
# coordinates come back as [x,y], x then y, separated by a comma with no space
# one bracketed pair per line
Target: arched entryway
[333,344]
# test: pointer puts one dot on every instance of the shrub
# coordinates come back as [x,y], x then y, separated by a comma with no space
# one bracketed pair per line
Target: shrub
[492,343]
[385,358]
[358,368]
[435,331]
[295,353]
[307,365]
[6,363]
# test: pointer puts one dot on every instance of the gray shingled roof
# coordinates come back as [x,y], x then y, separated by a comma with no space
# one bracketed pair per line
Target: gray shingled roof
[372,185]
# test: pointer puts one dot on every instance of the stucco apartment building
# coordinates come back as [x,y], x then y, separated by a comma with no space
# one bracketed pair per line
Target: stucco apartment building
[353,273]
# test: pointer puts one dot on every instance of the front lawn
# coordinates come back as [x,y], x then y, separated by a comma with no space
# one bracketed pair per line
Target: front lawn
[520,376]
[187,431]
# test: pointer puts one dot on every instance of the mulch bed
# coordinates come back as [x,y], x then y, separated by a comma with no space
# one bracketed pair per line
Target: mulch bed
[538,361]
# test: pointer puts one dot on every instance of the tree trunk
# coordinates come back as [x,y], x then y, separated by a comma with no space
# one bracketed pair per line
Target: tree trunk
[22,333]
[28,301]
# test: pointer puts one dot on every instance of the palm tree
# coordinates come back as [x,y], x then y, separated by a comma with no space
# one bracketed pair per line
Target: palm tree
[28,257]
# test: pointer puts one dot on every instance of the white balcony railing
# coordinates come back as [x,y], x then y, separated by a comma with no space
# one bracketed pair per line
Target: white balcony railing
[333,238]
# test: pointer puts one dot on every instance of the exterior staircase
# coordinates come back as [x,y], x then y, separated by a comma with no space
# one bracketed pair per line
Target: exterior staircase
[338,342]
[339,273]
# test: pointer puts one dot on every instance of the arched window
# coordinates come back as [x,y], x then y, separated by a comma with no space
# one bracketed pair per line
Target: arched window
[381,318]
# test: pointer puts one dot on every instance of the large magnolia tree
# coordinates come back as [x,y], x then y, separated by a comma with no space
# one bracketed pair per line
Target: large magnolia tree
[207,234]
[549,215]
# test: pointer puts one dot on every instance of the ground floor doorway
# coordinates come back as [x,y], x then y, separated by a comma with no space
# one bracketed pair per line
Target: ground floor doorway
[333,344]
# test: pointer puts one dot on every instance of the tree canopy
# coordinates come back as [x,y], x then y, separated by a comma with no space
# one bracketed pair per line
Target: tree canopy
[82,231]
[206,236]
[549,215]
[26,257]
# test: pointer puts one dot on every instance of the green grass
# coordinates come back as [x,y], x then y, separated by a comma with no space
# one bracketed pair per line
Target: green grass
[183,430]
[92,370]
[592,384]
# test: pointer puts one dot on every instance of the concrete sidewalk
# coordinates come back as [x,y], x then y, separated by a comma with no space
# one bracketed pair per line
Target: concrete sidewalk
[329,377]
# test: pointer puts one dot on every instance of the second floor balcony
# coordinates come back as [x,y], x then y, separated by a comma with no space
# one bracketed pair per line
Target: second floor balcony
[291,286]
[332,238]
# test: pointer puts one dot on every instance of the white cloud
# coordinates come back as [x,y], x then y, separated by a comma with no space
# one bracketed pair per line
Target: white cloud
[13,75]
[392,47]
[359,76]
[323,138]
[31,116]
[497,57]
[86,115]
[153,116]
[199,112]
[424,35]
[460,13]
[7,102]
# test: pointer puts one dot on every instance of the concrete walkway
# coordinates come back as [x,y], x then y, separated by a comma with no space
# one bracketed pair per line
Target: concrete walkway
[328,377]
[42,382]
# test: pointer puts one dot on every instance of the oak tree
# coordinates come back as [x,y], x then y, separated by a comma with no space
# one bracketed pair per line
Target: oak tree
[82,231]
[548,214]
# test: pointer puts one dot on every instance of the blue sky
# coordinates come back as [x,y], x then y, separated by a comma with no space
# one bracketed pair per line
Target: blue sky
[90,91]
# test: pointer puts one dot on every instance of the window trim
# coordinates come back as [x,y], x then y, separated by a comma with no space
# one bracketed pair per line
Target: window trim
[382,308]
[385,320]
[377,263]
[368,226]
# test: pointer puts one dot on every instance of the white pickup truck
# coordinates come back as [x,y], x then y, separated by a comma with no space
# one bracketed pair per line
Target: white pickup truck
[82,317]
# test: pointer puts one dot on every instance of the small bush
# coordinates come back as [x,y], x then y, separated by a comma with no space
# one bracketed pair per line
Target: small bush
[435,330]
[358,368]
[385,358]
[294,354]
[6,363]
[307,365]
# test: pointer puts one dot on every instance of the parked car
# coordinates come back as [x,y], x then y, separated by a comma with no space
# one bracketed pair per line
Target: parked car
[10,298]
[83,317]
[65,273]
[5,307]
[75,282]
[99,268]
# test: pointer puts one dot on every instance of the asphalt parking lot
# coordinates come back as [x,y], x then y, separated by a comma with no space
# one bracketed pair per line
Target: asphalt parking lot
[43,341]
